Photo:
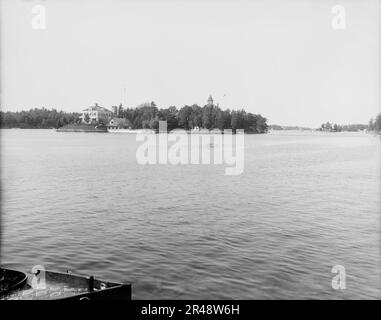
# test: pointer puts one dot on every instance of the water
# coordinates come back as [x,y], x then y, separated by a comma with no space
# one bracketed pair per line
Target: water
[304,203]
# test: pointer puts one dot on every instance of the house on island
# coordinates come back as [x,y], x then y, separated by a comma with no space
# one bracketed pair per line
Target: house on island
[96,113]
[119,123]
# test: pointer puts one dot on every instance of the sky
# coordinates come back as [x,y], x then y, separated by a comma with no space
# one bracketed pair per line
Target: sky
[282,59]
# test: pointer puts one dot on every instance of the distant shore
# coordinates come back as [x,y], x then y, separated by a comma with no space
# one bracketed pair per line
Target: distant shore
[82,128]
[148,116]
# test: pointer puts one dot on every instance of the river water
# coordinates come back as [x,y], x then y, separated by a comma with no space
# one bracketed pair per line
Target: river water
[306,201]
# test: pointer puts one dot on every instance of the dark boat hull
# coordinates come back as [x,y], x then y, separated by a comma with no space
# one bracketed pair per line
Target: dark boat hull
[11,280]
[65,286]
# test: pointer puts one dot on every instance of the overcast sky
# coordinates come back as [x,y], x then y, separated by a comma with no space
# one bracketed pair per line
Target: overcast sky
[282,59]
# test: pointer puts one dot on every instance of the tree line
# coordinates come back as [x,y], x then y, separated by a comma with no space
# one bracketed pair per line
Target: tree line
[334,127]
[191,116]
[37,119]
[373,125]
[148,115]
[145,116]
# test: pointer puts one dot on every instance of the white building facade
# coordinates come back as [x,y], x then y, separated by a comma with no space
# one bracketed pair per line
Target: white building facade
[97,114]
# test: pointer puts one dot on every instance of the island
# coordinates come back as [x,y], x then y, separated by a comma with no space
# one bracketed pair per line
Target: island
[144,116]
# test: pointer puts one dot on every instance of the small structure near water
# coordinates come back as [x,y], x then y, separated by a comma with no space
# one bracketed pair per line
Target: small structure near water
[118,123]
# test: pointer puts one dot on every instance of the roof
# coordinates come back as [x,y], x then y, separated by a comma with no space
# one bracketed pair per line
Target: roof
[96,108]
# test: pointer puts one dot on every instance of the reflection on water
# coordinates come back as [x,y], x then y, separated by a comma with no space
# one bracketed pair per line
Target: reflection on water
[304,203]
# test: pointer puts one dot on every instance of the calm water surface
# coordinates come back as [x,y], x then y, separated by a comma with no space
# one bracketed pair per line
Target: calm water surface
[304,203]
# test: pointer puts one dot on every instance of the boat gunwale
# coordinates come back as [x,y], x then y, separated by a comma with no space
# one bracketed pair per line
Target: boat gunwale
[92,291]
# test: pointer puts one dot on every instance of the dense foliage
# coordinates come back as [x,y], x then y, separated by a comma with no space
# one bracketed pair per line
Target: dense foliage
[191,116]
[36,118]
[375,125]
[334,127]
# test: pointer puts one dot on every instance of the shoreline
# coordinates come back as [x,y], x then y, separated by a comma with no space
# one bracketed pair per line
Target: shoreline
[135,131]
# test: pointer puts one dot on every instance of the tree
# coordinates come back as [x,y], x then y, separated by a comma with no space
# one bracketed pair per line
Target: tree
[169,115]
[196,116]
[252,123]
[234,120]
[220,119]
[208,117]
[120,110]
[371,125]
[86,118]
[154,123]
[377,123]
[145,124]
[185,118]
